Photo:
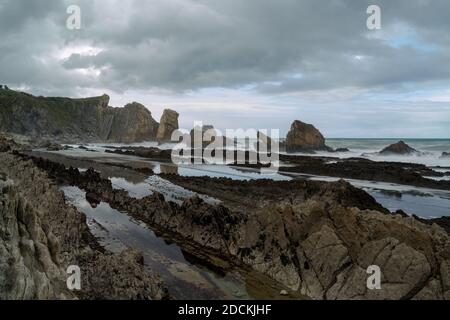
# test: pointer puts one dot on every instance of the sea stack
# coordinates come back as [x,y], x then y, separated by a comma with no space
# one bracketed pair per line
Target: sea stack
[304,137]
[167,125]
[132,123]
[400,148]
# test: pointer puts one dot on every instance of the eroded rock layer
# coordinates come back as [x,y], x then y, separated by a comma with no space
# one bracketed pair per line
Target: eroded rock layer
[74,120]
[41,236]
[319,240]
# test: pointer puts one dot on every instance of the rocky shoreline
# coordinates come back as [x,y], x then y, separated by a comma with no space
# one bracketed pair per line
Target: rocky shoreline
[353,168]
[41,236]
[317,241]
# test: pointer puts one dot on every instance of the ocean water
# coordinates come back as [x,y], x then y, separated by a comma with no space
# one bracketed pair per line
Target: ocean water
[186,279]
[432,150]
[413,200]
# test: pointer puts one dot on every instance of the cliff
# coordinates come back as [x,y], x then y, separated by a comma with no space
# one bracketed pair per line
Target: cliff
[74,120]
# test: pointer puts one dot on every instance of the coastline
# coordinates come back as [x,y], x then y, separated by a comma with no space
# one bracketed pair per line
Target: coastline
[233,210]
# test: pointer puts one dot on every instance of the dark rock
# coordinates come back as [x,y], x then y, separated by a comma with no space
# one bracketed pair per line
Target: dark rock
[400,148]
[93,199]
[364,169]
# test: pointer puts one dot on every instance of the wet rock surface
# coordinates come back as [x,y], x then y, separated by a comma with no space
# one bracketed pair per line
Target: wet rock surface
[364,169]
[144,152]
[41,236]
[353,168]
[318,240]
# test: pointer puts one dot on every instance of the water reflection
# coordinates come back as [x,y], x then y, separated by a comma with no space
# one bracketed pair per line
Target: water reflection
[185,278]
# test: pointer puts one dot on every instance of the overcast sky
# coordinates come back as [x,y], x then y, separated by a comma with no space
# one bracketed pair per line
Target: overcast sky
[243,63]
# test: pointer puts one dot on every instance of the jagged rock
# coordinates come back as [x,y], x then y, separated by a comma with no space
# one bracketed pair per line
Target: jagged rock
[40,236]
[29,267]
[303,137]
[167,125]
[318,239]
[400,148]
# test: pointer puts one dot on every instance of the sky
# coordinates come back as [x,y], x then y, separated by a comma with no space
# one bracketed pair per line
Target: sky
[243,63]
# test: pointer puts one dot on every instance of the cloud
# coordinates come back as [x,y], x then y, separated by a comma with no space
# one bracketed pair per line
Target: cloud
[297,49]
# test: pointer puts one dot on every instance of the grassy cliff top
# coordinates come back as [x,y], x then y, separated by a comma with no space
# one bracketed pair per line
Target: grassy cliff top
[59,109]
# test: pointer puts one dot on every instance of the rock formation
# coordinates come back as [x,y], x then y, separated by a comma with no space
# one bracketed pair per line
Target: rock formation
[74,120]
[133,123]
[400,148]
[167,125]
[303,137]
[317,240]
[40,236]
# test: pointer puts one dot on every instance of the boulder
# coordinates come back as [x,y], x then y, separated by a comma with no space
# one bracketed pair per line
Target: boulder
[400,148]
[168,124]
[304,137]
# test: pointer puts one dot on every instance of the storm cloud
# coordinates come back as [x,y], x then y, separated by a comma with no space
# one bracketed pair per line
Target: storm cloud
[294,57]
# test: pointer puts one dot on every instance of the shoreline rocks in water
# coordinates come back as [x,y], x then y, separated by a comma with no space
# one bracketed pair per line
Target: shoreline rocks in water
[303,137]
[309,240]
[399,148]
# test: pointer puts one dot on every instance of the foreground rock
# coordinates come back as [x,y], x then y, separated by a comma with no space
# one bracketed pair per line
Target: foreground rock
[40,236]
[167,125]
[303,137]
[400,148]
[319,240]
